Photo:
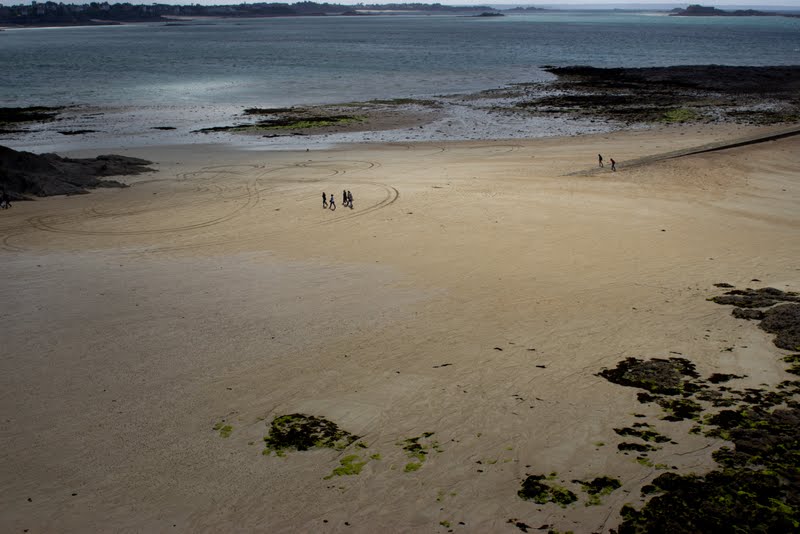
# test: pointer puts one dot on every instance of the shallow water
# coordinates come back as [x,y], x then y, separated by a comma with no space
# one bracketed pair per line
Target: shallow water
[284,61]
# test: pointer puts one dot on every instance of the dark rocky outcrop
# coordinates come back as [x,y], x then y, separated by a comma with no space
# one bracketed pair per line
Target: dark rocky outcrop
[24,174]
[674,94]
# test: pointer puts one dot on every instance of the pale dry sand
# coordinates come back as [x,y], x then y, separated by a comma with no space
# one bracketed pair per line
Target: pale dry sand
[134,320]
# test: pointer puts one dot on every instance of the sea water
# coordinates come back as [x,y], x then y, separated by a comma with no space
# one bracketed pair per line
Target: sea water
[300,60]
[199,73]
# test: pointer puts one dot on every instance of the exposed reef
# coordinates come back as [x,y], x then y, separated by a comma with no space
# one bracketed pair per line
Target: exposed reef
[13,120]
[24,174]
[677,94]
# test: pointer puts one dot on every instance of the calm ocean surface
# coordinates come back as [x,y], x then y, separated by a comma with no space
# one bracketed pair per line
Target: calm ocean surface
[278,62]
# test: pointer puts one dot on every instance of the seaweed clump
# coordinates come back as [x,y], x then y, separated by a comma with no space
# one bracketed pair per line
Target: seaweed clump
[657,375]
[598,487]
[303,432]
[638,447]
[646,435]
[680,409]
[755,298]
[719,378]
[793,359]
[417,451]
[29,114]
[534,489]
[756,486]
[784,322]
[287,123]
[721,501]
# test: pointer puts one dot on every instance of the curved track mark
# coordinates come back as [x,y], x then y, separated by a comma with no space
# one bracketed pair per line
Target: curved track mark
[42,223]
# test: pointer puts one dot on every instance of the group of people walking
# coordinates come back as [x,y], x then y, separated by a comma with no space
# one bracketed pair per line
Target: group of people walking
[330,202]
[613,163]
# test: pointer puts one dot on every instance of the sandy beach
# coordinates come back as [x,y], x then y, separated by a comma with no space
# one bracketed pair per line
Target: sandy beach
[467,302]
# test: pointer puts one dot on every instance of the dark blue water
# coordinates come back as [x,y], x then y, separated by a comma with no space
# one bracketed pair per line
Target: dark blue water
[276,62]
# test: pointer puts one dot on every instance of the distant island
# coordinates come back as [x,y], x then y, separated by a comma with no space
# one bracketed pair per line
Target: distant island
[696,10]
[59,14]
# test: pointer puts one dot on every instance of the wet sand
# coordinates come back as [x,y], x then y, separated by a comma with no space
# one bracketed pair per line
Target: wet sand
[474,292]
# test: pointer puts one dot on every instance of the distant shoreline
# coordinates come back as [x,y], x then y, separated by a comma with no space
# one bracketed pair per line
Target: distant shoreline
[61,15]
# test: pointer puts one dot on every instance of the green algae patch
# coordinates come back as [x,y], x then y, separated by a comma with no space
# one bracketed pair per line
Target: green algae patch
[223,429]
[350,465]
[535,489]
[679,115]
[412,466]
[598,487]
[303,432]
[418,449]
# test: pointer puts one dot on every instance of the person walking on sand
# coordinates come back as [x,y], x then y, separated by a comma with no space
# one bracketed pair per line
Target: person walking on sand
[613,165]
[350,199]
[600,159]
[5,201]
[344,198]
[324,201]
[332,207]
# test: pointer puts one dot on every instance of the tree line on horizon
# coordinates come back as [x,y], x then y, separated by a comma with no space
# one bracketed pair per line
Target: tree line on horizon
[103,13]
